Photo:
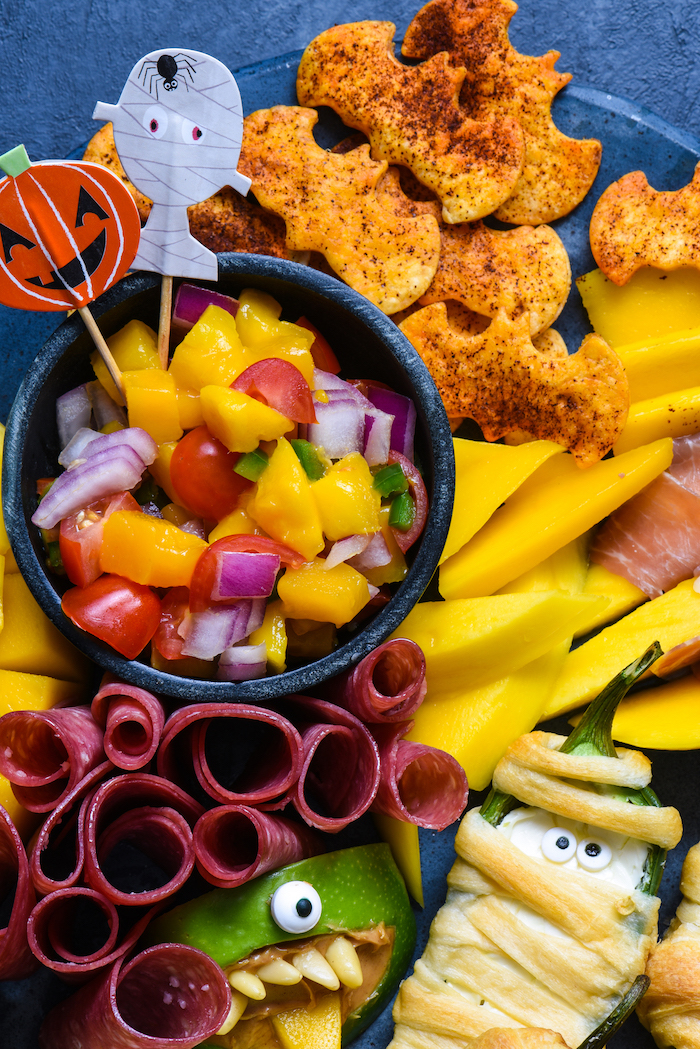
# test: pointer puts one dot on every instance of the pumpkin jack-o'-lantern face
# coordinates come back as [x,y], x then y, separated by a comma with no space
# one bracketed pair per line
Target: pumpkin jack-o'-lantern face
[67,233]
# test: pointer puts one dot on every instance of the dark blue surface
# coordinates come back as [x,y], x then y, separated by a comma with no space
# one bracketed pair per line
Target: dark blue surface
[57,60]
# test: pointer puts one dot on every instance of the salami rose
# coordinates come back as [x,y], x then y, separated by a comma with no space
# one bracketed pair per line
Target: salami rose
[168,997]
[16,959]
[132,719]
[234,843]
[45,753]
[387,685]
[419,784]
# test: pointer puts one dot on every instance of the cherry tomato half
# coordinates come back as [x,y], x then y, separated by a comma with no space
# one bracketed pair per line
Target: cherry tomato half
[119,612]
[80,538]
[281,385]
[201,472]
[174,606]
[204,575]
[404,540]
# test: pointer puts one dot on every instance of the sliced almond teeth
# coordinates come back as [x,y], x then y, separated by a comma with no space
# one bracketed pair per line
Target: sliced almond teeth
[344,960]
[279,972]
[248,984]
[313,966]
[238,1007]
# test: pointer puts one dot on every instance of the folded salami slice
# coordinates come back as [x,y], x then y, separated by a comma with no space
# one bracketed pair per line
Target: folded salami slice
[168,997]
[387,685]
[146,814]
[340,772]
[239,754]
[132,719]
[16,959]
[235,843]
[419,784]
[45,753]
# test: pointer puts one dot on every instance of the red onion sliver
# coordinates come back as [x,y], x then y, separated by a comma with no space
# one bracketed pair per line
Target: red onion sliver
[208,633]
[235,843]
[16,959]
[346,548]
[191,301]
[403,410]
[388,685]
[107,473]
[133,721]
[73,411]
[419,784]
[243,663]
[375,555]
[45,753]
[167,997]
[377,437]
[77,445]
[243,575]
[339,429]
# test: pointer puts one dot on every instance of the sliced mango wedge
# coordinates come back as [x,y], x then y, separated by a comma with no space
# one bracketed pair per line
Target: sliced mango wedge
[317,1028]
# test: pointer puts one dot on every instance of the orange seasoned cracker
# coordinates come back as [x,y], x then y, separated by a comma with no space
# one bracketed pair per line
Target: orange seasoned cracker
[634,225]
[558,170]
[500,380]
[330,203]
[411,116]
[524,270]
[224,222]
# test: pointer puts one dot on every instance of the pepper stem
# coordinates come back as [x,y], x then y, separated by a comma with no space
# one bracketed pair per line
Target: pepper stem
[597,1039]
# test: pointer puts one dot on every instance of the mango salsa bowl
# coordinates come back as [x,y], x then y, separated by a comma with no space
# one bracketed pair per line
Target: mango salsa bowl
[368,346]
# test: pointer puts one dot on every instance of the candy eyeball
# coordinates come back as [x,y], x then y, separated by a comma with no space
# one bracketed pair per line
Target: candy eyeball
[593,855]
[155,121]
[558,845]
[296,906]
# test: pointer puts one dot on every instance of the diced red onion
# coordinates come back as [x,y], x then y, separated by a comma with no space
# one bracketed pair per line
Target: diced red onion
[243,575]
[191,301]
[377,438]
[76,446]
[208,633]
[346,548]
[104,409]
[132,437]
[73,411]
[195,526]
[376,554]
[402,408]
[339,429]
[115,470]
[243,663]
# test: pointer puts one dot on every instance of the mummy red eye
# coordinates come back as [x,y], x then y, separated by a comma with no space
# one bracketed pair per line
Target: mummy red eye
[155,121]
[191,132]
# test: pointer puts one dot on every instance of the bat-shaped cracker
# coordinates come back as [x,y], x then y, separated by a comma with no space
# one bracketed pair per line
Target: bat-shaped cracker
[330,204]
[503,382]
[634,225]
[500,82]
[411,116]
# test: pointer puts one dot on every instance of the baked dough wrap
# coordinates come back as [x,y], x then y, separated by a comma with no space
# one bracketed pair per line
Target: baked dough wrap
[671,1007]
[518,773]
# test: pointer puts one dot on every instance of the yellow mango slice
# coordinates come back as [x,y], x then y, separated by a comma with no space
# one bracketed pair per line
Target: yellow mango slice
[283,505]
[669,619]
[152,404]
[402,839]
[565,569]
[482,639]
[663,718]
[134,346]
[29,641]
[317,1028]
[211,353]
[160,469]
[670,415]
[273,634]
[650,304]
[485,475]
[663,364]
[476,725]
[555,505]
[239,421]
[622,597]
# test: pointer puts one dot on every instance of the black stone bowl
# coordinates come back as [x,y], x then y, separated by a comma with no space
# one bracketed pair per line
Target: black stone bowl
[367,344]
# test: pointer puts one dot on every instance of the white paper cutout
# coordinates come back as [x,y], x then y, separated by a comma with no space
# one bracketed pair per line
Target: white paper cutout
[177,128]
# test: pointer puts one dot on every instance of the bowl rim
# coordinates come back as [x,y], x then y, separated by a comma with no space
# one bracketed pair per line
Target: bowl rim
[439,443]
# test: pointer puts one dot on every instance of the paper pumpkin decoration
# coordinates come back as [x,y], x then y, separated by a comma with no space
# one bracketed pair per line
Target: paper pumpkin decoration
[68,231]
[178,128]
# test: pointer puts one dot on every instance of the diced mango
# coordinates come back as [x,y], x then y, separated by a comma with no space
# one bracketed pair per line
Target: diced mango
[346,499]
[30,643]
[669,619]
[238,522]
[482,639]
[334,595]
[402,839]
[308,640]
[264,335]
[239,421]
[555,505]
[670,415]
[663,364]
[485,475]
[151,401]
[149,550]
[211,353]
[133,347]
[650,304]
[283,505]
[189,407]
[622,596]
[160,469]
[273,634]
[663,718]
[317,1028]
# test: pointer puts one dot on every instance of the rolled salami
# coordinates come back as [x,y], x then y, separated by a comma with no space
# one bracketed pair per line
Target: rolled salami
[133,721]
[387,685]
[16,959]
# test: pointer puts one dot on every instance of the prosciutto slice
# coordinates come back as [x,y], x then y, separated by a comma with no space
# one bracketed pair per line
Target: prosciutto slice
[239,754]
[234,843]
[419,784]
[45,753]
[387,685]
[16,959]
[132,719]
[168,997]
[340,770]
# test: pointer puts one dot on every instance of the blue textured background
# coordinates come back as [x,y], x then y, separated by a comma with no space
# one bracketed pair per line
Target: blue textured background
[57,60]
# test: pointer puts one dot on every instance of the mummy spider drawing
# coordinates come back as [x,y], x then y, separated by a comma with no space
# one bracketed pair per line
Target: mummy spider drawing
[177,128]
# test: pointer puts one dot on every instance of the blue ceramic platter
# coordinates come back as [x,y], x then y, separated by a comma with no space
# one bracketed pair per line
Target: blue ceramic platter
[633,138]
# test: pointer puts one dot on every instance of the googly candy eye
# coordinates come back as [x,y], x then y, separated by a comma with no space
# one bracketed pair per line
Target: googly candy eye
[558,845]
[296,906]
[593,855]
[155,121]
[191,132]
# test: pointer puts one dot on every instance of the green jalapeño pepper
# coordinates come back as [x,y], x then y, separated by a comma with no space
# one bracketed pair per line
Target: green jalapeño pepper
[350,908]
